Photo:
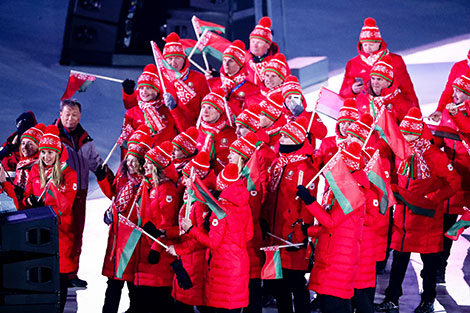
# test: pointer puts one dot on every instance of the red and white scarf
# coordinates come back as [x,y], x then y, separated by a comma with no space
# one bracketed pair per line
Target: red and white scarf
[154,120]
[281,163]
[127,192]
[415,165]
[229,82]
[22,170]
[377,103]
[212,129]
[372,59]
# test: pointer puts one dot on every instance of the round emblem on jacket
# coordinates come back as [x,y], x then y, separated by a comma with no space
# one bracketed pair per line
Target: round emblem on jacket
[312,186]
[290,173]
[74,187]
[450,167]
[215,222]
[375,202]
[224,141]
[253,193]
[241,94]
[169,199]
[190,84]
[387,174]
[389,106]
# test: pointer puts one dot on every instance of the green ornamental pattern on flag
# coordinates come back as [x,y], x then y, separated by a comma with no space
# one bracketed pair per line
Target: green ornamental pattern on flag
[272,268]
[128,236]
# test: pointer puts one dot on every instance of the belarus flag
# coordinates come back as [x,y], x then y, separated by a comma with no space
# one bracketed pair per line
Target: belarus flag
[78,81]
[202,194]
[390,132]
[212,44]
[200,26]
[128,236]
[458,228]
[272,268]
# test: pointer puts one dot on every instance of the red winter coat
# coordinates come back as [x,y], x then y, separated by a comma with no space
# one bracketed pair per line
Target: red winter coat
[61,200]
[356,67]
[255,69]
[458,157]
[284,210]
[110,264]
[419,233]
[159,206]
[229,265]
[457,70]
[336,259]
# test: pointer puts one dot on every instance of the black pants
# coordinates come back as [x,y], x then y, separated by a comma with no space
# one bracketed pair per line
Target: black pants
[112,296]
[256,297]
[397,275]
[449,220]
[154,299]
[294,284]
[181,307]
[332,304]
[63,282]
[363,300]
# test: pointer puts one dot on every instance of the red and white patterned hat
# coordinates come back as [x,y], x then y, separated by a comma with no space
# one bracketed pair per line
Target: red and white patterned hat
[352,156]
[362,127]
[186,141]
[296,130]
[272,106]
[215,98]
[248,119]
[138,135]
[200,165]
[383,68]
[160,155]
[370,31]
[291,86]
[263,30]
[245,146]
[278,65]
[142,146]
[412,123]
[463,84]
[227,176]
[236,51]
[173,47]
[149,78]
[348,112]
[51,140]
[34,133]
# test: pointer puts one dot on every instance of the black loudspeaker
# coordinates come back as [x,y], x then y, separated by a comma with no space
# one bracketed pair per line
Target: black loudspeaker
[103,10]
[222,5]
[29,261]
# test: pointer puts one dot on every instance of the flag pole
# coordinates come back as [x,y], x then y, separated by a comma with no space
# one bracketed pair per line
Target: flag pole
[372,129]
[98,76]
[204,56]
[289,244]
[110,153]
[314,111]
[197,66]
[197,43]
[283,246]
[152,43]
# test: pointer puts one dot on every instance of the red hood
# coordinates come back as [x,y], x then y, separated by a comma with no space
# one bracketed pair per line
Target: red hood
[382,48]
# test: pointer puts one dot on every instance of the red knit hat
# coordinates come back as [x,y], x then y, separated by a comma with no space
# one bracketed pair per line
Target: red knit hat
[215,98]
[362,127]
[142,146]
[149,77]
[370,31]
[272,106]
[245,146]
[186,141]
[173,47]
[263,30]
[296,130]
[51,140]
[352,156]
[160,155]
[291,86]
[348,112]
[248,119]
[227,176]
[383,68]
[138,135]
[278,65]
[462,83]
[236,51]
[412,123]
[200,165]
[34,133]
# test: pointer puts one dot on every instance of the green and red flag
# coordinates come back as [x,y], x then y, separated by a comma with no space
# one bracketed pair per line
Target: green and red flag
[128,236]
[200,26]
[251,172]
[329,102]
[78,81]
[203,195]
[343,185]
[272,268]
[212,44]
[418,204]
[390,132]
[379,179]
[188,45]
[458,228]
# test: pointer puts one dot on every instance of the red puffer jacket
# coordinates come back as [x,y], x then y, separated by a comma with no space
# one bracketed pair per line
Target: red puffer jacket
[458,69]
[158,205]
[459,158]
[419,233]
[356,67]
[116,189]
[284,211]
[61,200]
[255,70]
[337,252]
[229,265]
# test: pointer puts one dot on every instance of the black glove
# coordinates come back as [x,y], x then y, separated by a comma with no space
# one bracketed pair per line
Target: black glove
[305,195]
[184,281]
[101,171]
[214,72]
[19,192]
[207,223]
[6,150]
[170,102]
[264,228]
[304,228]
[153,257]
[24,122]
[128,85]
[150,228]
[108,216]
[293,248]
[35,203]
